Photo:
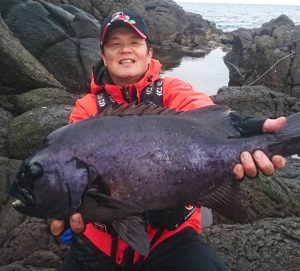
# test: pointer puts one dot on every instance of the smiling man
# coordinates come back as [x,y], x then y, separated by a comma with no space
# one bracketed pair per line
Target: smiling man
[126,74]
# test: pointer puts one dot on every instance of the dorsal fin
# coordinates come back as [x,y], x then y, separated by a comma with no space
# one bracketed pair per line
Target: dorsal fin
[145,108]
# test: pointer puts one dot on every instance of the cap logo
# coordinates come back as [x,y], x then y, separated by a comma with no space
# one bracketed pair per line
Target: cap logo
[121,16]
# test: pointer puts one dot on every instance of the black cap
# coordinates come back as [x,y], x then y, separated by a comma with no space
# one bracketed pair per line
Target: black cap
[124,18]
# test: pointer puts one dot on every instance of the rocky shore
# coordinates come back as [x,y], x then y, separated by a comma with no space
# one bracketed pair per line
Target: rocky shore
[47,50]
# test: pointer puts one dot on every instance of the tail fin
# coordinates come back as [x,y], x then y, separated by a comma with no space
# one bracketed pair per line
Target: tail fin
[287,140]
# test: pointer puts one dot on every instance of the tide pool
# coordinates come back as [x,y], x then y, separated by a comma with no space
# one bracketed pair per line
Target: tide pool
[206,74]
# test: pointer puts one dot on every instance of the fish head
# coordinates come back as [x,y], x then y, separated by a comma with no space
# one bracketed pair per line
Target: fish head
[50,185]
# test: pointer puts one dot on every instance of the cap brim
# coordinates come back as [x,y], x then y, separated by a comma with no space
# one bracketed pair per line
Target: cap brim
[111,26]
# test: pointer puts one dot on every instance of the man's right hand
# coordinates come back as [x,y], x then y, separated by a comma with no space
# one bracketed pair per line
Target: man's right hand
[76,223]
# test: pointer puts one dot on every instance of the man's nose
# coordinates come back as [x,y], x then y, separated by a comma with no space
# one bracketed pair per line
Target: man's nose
[126,48]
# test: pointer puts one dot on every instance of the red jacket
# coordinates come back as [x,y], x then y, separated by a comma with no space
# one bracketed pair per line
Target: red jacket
[176,95]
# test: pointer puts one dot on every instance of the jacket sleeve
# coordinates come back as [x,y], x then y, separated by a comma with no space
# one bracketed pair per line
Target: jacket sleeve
[181,95]
[84,108]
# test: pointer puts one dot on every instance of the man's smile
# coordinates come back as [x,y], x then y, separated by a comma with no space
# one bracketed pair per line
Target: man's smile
[127,60]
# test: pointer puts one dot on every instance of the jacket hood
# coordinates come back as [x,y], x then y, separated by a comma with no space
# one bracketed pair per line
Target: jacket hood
[99,73]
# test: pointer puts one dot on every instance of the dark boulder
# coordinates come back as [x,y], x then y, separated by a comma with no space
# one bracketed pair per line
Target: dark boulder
[27,132]
[57,38]
[266,56]
[19,70]
[268,244]
[257,101]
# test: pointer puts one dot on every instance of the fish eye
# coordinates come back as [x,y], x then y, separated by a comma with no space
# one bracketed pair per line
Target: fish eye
[28,173]
[35,170]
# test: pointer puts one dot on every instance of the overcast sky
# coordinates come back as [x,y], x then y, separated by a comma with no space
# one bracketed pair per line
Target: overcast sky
[271,2]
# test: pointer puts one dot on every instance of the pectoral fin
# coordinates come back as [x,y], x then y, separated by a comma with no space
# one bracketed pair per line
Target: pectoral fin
[125,218]
[132,231]
[99,207]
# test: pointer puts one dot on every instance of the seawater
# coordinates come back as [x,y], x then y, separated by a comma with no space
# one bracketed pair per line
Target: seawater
[229,17]
[209,73]
[206,74]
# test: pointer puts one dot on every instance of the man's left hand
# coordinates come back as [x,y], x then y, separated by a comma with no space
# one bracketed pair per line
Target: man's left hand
[250,164]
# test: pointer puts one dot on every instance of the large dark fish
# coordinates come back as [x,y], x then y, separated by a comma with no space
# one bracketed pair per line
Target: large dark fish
[114,168]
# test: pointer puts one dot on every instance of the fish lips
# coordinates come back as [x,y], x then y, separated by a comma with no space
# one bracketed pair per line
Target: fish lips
[24,198]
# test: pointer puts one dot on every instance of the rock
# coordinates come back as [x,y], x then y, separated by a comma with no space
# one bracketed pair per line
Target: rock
[269,244]
[170,26]
[27,131]
[19,266]
[43,258]
[8,169]
[27,240]
[265,56]
[19,70]
[55,37]
[42,97]
[5,116]
[257,101]
[274,196]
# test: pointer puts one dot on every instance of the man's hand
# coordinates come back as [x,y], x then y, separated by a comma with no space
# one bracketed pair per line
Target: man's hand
[251,163]
[76,224]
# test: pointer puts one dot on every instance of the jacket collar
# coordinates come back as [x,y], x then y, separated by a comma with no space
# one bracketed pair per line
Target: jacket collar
[151,75]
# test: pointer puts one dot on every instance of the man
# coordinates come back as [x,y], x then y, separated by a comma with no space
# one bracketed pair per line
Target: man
[129,74]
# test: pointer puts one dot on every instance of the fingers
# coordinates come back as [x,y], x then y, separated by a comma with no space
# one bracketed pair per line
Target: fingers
[57,227]
[76,223]
[278,161]
[258,161]
[248,164]
[263,163]
[238,172]
[273,125]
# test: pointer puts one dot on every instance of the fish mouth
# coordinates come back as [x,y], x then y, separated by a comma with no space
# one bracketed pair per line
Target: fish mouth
[24,202]
[24,183]
[24,199]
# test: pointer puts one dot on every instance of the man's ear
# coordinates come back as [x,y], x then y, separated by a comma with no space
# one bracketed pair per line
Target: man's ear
[103,57]
[150,53]
[104,60]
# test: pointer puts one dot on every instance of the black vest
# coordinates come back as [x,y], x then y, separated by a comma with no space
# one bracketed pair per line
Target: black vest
[152,93]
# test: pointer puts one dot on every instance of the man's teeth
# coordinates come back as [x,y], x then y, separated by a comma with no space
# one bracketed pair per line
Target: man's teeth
[127,61]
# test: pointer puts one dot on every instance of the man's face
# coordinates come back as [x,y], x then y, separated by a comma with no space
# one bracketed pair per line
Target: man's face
[126,56]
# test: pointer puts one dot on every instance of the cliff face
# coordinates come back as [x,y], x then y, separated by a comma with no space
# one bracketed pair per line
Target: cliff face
[47,50]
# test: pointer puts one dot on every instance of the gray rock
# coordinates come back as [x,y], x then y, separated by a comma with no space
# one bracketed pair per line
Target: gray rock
[53,36]
[43,258]
[264,56]
[27,131]
[31,236]
[5,116]
[42,97]
[19,70]
[257,101]
[8,169]
[275,196]
[269,244]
